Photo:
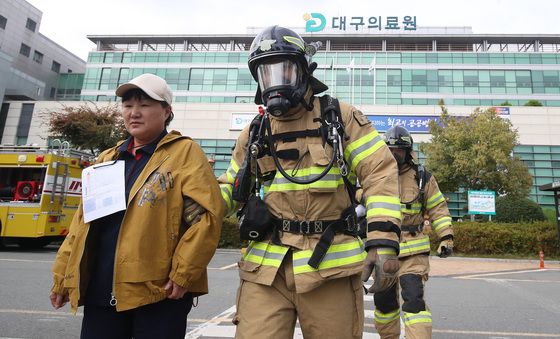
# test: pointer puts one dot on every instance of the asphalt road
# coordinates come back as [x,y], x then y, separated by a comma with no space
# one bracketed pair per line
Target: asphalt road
[512,304]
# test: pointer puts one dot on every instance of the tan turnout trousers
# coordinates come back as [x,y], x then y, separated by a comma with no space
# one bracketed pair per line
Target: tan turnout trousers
[271,311]
[415,328]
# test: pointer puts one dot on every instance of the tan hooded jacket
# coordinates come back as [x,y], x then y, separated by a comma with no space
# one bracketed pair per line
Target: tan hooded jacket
[154,244]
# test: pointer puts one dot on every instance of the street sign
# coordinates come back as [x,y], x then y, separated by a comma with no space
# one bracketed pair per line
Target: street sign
[482,202]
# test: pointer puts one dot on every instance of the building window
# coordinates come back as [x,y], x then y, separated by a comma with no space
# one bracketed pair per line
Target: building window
[55,67]
[470,80]
[24,123]
[53,92]
[3,22]
[31,25]
[69,70]
[38,57]
[3,117]
[24,50]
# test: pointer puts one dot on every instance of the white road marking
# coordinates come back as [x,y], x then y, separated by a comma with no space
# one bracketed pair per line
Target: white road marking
[212,325]
[51,313]
[484,276]
[28,260]
[507,272]
[228,266]
[506,334]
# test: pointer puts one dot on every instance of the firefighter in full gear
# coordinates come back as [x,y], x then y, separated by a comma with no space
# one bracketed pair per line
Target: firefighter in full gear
[421,200]
[306,259]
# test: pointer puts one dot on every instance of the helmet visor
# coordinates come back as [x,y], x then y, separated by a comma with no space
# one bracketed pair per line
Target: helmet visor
[277,73]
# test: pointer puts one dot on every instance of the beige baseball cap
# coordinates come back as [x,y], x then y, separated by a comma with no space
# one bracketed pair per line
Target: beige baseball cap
[154,86]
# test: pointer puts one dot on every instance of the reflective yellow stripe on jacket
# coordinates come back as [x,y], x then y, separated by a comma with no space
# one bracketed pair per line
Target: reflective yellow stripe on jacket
[332,179]
[438,224]
[337,255]
[267,254]
[361,148]
[415,246]
[383,206]
[232,170]
[415,208]
[435,200]
[263,253]
[227,189]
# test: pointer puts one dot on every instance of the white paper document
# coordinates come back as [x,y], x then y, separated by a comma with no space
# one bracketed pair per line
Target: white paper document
[103,189]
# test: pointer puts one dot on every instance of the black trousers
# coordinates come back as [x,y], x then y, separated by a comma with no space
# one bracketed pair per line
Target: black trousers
[166,319]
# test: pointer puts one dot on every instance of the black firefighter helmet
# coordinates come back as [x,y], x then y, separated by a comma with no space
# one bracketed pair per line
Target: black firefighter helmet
[399,137]
[280,62]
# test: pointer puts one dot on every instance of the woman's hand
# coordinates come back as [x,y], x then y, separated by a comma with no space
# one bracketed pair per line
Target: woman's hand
[174,291]
[58,300]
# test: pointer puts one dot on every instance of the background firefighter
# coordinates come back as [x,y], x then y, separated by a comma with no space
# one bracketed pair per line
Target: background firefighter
[420,197]
[279,282]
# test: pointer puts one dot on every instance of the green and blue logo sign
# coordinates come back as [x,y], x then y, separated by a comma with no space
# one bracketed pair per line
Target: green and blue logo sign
[315,22]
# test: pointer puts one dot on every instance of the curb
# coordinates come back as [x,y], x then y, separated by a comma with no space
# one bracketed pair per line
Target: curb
[495,260]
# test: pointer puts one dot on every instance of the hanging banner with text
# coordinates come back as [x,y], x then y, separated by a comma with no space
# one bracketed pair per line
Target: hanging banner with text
[414,124]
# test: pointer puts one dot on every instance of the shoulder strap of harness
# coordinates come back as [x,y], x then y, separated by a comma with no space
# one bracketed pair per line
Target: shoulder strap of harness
[330,105]
[422,177]
[331,113]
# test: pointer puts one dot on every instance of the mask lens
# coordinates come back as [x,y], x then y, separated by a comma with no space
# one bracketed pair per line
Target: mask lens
[277,73]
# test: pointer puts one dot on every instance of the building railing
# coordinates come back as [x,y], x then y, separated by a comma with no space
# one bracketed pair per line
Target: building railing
[329,45]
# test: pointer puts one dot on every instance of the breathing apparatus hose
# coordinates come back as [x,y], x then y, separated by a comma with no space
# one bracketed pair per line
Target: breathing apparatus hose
[281,169]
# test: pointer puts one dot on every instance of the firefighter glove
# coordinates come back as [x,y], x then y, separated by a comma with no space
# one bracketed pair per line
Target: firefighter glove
[445,247]
[384,264]
[192,211]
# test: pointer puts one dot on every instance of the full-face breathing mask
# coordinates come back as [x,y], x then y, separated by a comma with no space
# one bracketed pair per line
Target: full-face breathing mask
[281,85]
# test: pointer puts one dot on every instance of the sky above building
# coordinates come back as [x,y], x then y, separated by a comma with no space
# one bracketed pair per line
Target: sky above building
[68,22]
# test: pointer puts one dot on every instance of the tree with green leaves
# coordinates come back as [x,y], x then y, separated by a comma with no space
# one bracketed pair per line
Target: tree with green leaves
[533,102]
[87,126]
[475,152]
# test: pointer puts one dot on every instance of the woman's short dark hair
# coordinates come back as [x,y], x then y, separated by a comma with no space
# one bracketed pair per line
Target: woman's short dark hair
[138,94]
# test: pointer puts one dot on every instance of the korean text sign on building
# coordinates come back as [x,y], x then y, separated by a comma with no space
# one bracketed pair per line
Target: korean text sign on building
[317,22]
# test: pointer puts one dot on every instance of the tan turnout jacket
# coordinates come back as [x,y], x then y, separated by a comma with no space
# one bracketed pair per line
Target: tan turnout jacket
[369,160]
[435,208]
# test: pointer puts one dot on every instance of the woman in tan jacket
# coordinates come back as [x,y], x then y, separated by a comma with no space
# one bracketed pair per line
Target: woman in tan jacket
[137,270]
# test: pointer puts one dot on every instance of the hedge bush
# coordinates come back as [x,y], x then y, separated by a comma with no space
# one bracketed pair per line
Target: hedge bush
[510,209]
[230,234]
[471,238]
[493,238]
[550,214]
